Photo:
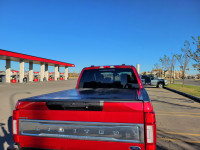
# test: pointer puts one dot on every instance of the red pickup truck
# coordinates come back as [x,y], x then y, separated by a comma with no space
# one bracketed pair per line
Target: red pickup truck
[109,109]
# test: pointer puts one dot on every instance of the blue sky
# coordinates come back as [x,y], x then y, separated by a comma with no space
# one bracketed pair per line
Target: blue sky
[98,32]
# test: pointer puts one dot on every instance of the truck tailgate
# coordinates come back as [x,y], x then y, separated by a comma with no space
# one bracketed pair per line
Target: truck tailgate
[84,124]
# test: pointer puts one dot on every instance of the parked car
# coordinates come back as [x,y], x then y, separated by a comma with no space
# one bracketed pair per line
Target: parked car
[109,109]
[2,78]
[150,80]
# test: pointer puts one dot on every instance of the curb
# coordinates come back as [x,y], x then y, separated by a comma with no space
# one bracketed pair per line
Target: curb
[197,99]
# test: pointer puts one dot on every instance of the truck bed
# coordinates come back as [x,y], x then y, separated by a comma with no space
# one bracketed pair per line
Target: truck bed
[93,94]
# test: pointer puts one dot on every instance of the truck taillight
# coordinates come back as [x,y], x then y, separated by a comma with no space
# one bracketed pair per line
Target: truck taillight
[15,126]
[17,106]
[150,126]
[150,118]
[150,137]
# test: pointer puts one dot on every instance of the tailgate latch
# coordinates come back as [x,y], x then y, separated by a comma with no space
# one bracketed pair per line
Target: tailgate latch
[134,148]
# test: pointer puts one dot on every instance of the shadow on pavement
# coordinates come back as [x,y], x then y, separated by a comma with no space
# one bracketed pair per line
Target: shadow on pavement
[183,106]
[158,147]
[7,138]
[181,142]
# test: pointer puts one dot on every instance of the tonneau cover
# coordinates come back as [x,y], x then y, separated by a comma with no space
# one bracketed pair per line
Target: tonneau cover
[92,94]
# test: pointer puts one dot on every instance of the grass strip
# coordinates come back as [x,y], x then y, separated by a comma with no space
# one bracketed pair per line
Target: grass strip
[189,89]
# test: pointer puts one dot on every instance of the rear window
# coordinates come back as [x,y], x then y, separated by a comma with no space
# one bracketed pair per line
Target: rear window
[108,78]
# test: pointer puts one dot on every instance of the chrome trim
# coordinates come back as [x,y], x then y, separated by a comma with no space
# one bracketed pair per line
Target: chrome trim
[80,130]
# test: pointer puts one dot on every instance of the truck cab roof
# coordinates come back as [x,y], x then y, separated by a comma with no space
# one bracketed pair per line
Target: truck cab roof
[109,66]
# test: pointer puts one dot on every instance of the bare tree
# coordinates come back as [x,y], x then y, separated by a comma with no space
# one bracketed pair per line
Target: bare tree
[165,63]
[158,69]
[173,62]
[196,54]
[162,64]
[184,58]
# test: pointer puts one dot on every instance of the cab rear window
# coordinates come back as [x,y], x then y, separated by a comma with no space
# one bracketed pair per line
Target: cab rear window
[108,78]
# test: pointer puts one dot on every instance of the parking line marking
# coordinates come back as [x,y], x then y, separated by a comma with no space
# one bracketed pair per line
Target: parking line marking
[165,139]
[179,133]
[177,112]
[177,115]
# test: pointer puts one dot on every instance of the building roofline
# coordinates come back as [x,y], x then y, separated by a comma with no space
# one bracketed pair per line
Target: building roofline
[31,58]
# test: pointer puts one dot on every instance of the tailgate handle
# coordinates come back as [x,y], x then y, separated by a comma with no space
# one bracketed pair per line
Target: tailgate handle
[76,105]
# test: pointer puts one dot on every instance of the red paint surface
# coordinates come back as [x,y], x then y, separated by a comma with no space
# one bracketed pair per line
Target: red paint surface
[151,120]
[112,112]
[148,107]
[37,72]
[31,106]
[33,58]
[69,144]
[35,80]
[50,79]
[13,81]
[126,112]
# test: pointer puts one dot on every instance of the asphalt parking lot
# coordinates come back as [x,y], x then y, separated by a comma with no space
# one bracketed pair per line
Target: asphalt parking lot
[10,93]
[178,118]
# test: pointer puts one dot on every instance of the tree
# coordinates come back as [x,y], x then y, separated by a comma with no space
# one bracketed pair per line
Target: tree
[162,63]
[173,62]
[184,58]
[196,54]
[198,75]
[158,69]
[165,63]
